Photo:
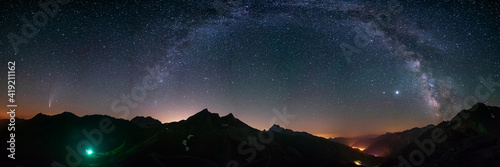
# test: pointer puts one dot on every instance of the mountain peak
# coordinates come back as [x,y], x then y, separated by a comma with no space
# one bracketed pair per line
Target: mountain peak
[276,128]
[66,114]
[230,116]
[40,116]
[145,122]
[204,119]
[204,111]
[204,114]
[478,107]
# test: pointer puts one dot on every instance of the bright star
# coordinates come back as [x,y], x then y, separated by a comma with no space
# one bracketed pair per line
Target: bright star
[397,92]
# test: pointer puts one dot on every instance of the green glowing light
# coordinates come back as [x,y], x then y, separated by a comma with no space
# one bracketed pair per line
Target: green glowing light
[89,152]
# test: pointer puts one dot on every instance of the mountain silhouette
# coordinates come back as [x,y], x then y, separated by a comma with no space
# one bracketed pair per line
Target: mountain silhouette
[204,139]
[146,122]
[389,144]
[471,138]
[386,145]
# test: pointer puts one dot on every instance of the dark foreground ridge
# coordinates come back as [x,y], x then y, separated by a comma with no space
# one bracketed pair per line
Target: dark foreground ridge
[472,138]
[206,139]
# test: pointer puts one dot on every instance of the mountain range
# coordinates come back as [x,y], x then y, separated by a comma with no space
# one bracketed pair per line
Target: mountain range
[386,145]
[472,138]
[206,139]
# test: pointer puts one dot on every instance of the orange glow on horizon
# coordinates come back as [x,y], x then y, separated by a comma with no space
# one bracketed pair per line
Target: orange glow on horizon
[326,136]
[178,113]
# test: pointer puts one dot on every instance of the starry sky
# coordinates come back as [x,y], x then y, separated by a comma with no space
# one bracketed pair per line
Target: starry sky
[336,68]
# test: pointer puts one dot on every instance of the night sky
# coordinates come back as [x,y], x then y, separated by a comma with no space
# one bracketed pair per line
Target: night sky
[338,68]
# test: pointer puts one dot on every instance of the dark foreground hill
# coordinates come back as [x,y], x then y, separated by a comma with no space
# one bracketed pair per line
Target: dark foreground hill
[204,139]
[472,138]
